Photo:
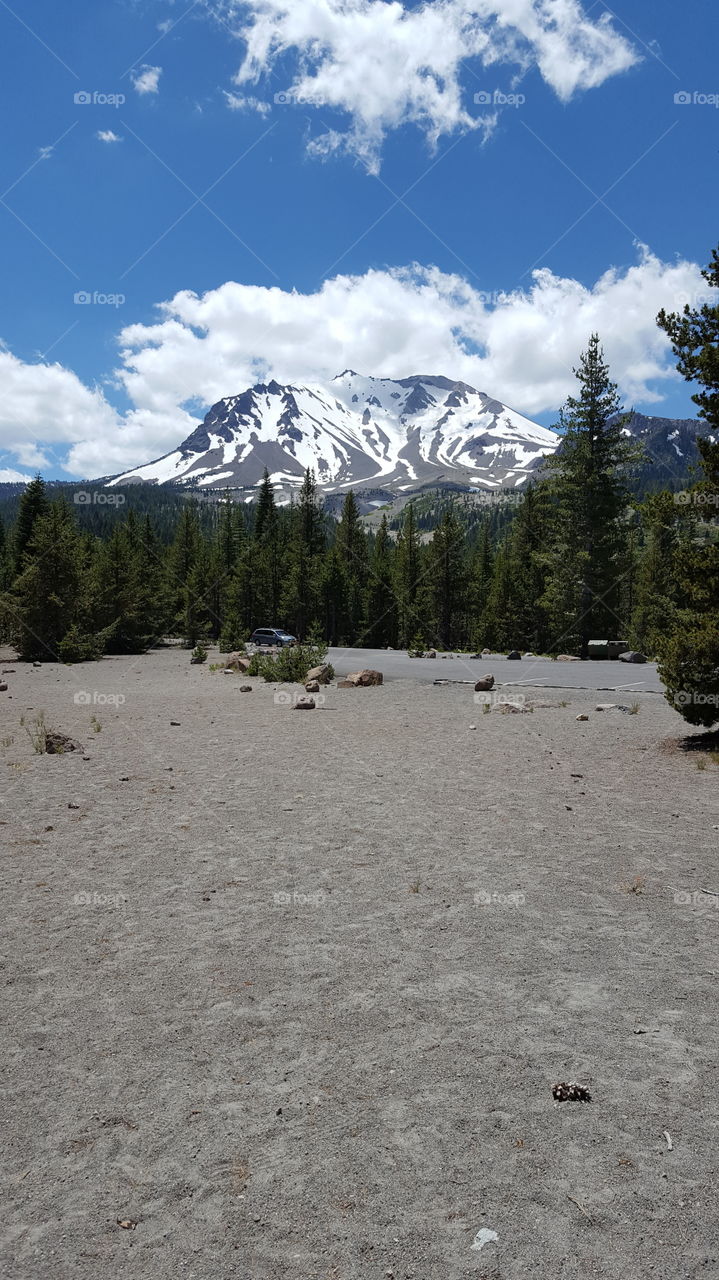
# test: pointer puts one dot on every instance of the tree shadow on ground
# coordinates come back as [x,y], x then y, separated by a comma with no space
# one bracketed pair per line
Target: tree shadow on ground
[707,742]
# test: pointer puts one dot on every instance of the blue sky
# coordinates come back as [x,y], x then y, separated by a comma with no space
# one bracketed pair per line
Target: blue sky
[390,223]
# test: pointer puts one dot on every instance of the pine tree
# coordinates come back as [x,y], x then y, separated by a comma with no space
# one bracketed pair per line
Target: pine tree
[34,503]
[47,604]
[689,655]
[301,599]
[265,560]
[4,558]
[481,573]
[656,600]
[694,336]
[181,562]
[351,551]
[410,585]
[590,487]
[527,545]
[382,600]
[448,580]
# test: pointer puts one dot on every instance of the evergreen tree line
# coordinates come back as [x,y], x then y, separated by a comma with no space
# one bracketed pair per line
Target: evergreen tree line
[578,559]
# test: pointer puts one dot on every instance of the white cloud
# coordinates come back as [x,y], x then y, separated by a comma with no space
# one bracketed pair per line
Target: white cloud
[147,79]
[519,347]
[46,404]
[385,64]
[107,135]
[8,476]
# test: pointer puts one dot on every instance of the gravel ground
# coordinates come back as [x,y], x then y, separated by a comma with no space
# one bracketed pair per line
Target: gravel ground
[288,992]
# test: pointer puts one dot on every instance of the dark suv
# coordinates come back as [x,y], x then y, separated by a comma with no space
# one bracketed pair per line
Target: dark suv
[271,636]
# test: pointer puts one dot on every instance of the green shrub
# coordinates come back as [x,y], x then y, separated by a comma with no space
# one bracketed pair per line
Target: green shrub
[689,667]
[78,646]
[232,640]
[291,664]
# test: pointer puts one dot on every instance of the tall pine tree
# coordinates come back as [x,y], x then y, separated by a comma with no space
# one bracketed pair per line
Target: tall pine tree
[590,487]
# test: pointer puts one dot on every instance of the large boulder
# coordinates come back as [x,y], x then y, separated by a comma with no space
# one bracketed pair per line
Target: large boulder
[361,679]
[632,656]
[237,662]
[515,655]
[312,686]
[304,704]
[567,657]
[484,684]
[319,674]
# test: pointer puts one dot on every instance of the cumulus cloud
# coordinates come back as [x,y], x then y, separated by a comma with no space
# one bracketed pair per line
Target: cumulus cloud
[8,476]
[519,347]
[386,64]
[46,404]
[147,79]
[107,135]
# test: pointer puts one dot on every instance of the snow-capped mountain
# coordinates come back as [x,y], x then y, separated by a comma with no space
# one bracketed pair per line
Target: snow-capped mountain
[356,431]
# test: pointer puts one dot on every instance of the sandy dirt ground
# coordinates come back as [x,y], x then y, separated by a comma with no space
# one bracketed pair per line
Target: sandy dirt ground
[287,992]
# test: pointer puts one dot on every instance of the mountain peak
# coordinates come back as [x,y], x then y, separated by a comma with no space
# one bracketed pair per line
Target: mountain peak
[356,431]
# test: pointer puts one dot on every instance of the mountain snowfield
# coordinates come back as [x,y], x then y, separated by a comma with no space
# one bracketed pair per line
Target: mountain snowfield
[356,431]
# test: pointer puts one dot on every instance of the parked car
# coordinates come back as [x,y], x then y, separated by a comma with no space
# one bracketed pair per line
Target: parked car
[265,636]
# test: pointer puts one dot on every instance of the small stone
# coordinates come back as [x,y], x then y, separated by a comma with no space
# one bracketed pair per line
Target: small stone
[312,686]
[582,717]
[304,704]
[245,688]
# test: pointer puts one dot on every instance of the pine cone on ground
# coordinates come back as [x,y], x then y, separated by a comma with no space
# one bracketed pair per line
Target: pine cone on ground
[571,1092]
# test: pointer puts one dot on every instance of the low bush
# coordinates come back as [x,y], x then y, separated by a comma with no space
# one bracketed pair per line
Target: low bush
[291,664]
